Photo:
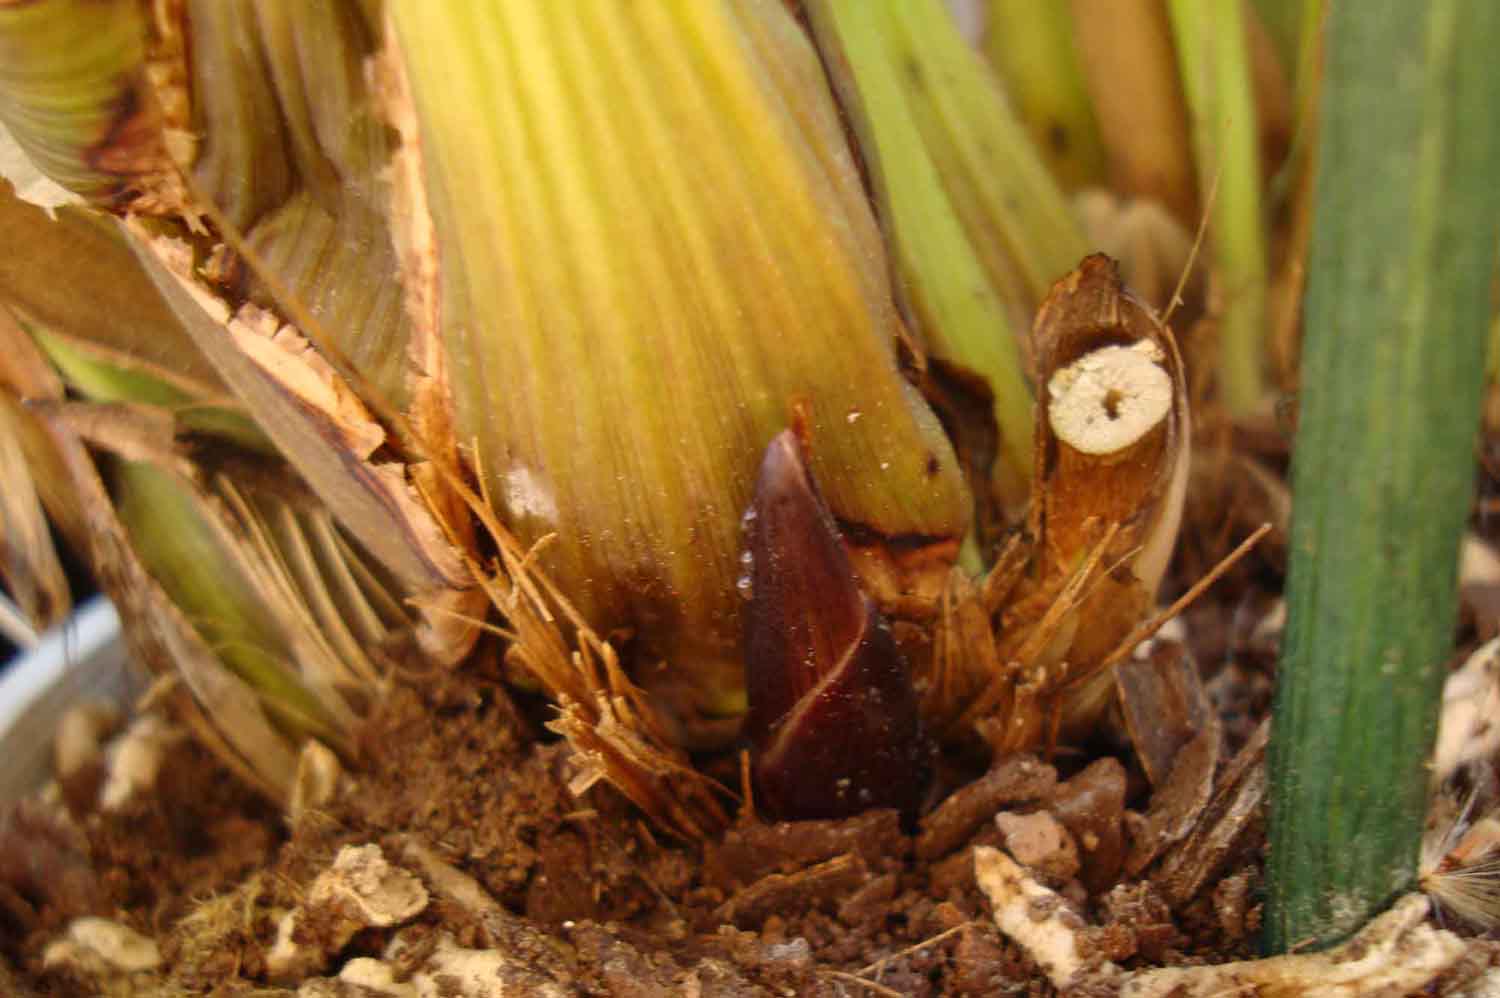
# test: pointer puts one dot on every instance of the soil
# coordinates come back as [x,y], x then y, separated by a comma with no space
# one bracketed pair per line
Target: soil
[769,909]
[812,908]
[589,899]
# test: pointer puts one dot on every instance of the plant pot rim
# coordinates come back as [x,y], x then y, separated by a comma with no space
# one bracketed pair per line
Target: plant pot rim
[82,659]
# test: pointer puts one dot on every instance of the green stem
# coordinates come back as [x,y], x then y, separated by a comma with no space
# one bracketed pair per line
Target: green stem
[883,81]
[1216,77]
[1407,218]
[1032,48]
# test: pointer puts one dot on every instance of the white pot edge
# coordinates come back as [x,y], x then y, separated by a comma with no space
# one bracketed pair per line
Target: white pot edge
[83,659]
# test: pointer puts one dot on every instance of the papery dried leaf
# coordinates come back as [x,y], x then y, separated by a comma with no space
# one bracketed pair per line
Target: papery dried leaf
[122,311]
[28,560]
[327,435]
[1163,704]
[159,635]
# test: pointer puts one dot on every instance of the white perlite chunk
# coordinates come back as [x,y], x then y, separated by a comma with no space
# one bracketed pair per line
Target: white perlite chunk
[1036,917]
[375,975]
[361,977]
[80,736]
[1471,701]
[1110,398]
[368,889]
[316,781]
[134,759]
[359,891]
[119,946]
[455,972]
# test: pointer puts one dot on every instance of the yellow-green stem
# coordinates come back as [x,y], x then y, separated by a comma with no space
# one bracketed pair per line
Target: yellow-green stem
[1212,50]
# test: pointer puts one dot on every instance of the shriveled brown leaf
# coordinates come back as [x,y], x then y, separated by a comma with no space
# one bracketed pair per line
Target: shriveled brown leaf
[159,636]
[1178,804]
[1163,705]
[1228,831]
[321,427]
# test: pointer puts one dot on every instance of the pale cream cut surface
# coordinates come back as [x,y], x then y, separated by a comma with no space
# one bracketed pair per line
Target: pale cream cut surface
[1108,399]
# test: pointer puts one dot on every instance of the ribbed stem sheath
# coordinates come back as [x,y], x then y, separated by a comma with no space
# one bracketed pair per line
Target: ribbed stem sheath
[71,93]
[652,244]
[1403,252]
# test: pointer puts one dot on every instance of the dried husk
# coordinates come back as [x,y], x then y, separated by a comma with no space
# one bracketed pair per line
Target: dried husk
[1112,459]
[29,566]
[232,717]
[122,311]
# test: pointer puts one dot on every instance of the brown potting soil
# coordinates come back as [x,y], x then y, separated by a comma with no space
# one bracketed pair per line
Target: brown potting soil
[813,908]
[587,898]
